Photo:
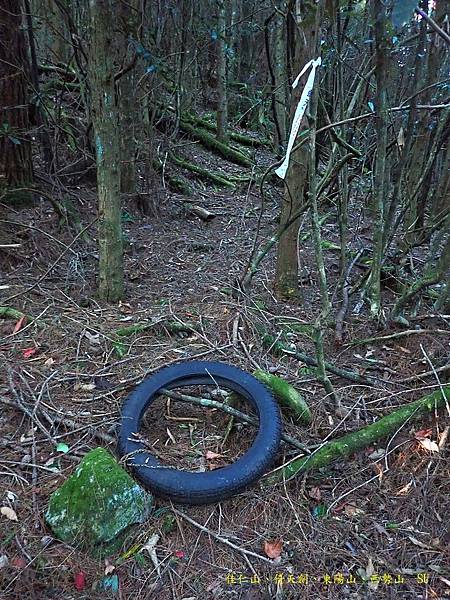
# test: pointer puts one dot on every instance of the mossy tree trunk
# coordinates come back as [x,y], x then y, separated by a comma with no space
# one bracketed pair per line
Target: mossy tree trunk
[301,36]
[16,167]
[362,438]
[105,121]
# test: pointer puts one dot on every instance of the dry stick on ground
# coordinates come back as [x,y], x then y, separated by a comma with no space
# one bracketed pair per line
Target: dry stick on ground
[279,348]
[69,423]
[231,411]
[426,374]
[32,227]
[52,266]
[399,334]
[435,375]
[362,438]
[221,539]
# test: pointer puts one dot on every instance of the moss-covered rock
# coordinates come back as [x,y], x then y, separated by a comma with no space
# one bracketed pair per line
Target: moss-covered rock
[96,505]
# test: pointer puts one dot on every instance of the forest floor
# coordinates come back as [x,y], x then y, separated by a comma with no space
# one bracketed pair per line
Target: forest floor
[388,505]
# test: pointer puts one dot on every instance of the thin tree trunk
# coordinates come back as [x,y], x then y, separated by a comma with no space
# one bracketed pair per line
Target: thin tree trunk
[381,72]
[127,101]
[301,37]
[105,120]
[222,101]
[279,83]
[16,167]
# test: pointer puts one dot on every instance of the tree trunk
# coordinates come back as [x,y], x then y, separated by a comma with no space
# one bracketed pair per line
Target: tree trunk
[301,36]
[379,188]
[105,121]
[16,167]
[423,130]
[222,101]
[278,43]
[127,100]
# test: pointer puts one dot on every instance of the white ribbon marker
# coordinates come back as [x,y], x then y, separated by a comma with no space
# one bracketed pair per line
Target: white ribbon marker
[300,111]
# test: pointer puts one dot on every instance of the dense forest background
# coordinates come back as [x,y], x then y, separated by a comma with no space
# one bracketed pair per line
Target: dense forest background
[146,219]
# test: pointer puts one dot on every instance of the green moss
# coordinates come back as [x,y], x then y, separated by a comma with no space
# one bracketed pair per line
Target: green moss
[286,395]
[96,505]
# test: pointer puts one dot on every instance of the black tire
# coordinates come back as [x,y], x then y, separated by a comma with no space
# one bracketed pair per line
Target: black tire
[212,486]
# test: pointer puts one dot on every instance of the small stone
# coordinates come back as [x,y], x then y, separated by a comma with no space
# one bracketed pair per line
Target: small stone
[26,459]
[97,503]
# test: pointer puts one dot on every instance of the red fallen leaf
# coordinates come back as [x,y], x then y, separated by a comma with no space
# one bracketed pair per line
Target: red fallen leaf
[179,553]
[29,352]
[20,323]
[80,581]
[422,434]
[18,562]
[273,549]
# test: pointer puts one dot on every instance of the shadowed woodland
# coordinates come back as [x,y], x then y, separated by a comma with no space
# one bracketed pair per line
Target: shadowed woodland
[164,198]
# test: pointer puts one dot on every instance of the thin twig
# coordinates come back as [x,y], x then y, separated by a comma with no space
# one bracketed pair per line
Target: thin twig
[221,539]
[231,411]
[441,387]
[53,265]
[399,334]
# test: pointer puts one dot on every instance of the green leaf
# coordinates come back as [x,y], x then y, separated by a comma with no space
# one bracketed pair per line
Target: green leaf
[320,511]
[62,447]
[168,524]
[120,348]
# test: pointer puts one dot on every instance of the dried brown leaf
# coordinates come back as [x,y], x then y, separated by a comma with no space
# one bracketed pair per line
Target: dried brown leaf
[273,548]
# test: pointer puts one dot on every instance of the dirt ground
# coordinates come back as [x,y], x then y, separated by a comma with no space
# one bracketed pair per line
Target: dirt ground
[386,534]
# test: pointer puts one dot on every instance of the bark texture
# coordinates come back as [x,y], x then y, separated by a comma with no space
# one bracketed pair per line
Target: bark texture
[105,120]
[16,168]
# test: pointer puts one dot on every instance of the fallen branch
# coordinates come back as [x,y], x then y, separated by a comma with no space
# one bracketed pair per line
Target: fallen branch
[442,369]
[171,326]
[210,142]
[69,423]
[202,213]
[201,172]
[396,336]
[362,438]
[10,313]
[286,394]
[234,412]
[279,348]
[221,539]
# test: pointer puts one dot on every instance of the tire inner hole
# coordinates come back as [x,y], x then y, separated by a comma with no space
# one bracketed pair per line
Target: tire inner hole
[197,438]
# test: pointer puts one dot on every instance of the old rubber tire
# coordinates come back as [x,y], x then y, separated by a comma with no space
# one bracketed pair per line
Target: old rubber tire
[212,486]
